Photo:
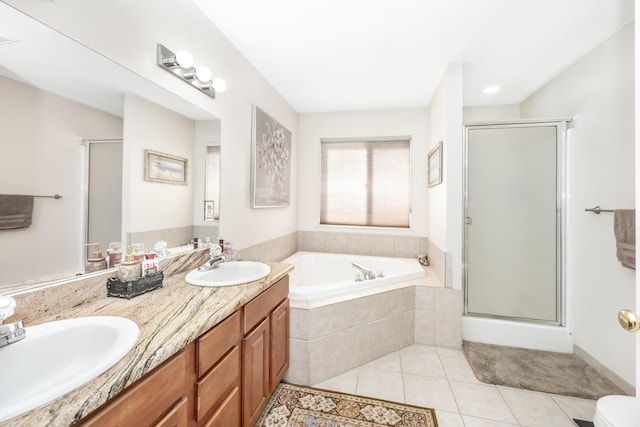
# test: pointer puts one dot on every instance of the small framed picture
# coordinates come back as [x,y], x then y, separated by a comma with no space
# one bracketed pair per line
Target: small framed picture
[164,168]
[434,165]
[208,210]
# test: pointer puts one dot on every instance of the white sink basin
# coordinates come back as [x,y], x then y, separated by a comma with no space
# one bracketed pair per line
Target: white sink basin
[229,273]
[57,357]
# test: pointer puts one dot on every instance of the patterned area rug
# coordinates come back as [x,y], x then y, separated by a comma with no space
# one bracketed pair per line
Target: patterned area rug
[297,406]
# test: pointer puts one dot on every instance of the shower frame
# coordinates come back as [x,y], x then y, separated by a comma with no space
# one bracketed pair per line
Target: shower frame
[561,191]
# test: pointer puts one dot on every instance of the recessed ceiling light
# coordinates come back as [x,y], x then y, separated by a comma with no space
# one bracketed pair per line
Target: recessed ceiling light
[491,89]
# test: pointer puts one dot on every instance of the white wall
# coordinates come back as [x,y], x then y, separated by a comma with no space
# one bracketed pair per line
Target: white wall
[127,32]
[40,141]
[152,205]
[491,113]
[598,91]
[445,200]
[313,126]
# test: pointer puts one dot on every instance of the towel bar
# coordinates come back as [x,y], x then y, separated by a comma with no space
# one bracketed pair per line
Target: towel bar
[55,196]
[597,210]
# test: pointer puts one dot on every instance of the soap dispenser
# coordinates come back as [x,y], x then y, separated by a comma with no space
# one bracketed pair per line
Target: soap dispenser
[96,261]
[129,269]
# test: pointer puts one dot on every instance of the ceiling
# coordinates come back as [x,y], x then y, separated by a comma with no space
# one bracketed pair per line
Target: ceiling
[341,55]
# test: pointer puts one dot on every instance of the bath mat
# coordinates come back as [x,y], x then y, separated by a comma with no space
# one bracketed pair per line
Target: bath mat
[550,372]
[298,406]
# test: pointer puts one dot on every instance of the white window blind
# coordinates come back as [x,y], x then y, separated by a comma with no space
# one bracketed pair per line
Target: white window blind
[365,183]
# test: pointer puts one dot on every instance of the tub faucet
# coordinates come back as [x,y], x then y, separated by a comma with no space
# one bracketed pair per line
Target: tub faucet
[11,332]
[367,272]
[214,259]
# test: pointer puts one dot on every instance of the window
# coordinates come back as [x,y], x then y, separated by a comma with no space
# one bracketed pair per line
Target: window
[366,182]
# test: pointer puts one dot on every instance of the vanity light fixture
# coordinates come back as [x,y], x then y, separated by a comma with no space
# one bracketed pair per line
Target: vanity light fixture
[180,64]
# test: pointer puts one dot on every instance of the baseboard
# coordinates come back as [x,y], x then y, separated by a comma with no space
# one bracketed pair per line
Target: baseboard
[604,371]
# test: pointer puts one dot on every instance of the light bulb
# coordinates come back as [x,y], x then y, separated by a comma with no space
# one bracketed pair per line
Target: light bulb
[203,73]
[184,59]
[219,85]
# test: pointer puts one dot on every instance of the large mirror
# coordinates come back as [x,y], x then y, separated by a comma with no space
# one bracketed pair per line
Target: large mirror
[77,124]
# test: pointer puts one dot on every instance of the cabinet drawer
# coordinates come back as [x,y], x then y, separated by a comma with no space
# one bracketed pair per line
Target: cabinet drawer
[148,399]
[218,383]
[214,344]
[177,417]
[229,412]
[260,307]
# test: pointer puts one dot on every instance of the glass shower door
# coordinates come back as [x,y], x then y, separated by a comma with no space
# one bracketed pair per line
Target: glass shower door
[512,222]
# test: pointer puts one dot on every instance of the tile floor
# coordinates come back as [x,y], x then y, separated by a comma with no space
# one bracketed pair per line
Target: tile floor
[441,378]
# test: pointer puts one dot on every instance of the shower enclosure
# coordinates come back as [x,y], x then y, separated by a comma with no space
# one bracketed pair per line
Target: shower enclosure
[513,225]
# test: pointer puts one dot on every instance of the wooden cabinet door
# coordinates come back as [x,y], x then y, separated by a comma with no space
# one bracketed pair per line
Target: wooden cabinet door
[255,373]
[279,344]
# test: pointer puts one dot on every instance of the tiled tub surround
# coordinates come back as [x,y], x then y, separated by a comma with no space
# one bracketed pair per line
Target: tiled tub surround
[332,335]
[348,243]
[169,318]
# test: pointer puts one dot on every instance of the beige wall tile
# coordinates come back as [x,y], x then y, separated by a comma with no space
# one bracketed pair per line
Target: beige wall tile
[358,244]
[382,245]
[390,303]
[326,357]
[298,372]
[313,241]
[409,328]
[362,345]
[405,246]
[425,298]
[449,301]
[326,320]
[391,334]
[335,243]
[360,311]
[425,327]
[299,323]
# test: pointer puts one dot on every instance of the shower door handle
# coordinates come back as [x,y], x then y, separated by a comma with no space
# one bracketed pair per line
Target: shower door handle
[629,321]
[468,220]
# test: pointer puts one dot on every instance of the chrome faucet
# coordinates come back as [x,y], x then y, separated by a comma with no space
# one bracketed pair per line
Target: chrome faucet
[214,259]
[11,332]
[367,272]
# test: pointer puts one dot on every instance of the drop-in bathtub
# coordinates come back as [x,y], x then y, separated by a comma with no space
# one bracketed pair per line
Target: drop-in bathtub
[319,275]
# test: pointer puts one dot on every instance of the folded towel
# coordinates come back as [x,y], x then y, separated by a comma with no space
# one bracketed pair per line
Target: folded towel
[624,228]
[15,211]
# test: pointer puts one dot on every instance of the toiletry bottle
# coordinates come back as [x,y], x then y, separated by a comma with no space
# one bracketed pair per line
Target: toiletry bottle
[230,252]
[129,269]
[96,262]
[138,252]
[221,244]
[115,254]
[150,264]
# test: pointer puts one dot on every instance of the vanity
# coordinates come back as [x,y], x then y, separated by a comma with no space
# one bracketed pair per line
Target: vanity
[206,356]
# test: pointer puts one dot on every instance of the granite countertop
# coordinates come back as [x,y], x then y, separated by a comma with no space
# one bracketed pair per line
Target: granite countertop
[169,318]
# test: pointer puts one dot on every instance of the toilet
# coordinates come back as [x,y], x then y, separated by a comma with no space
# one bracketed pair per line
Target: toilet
[615,411]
